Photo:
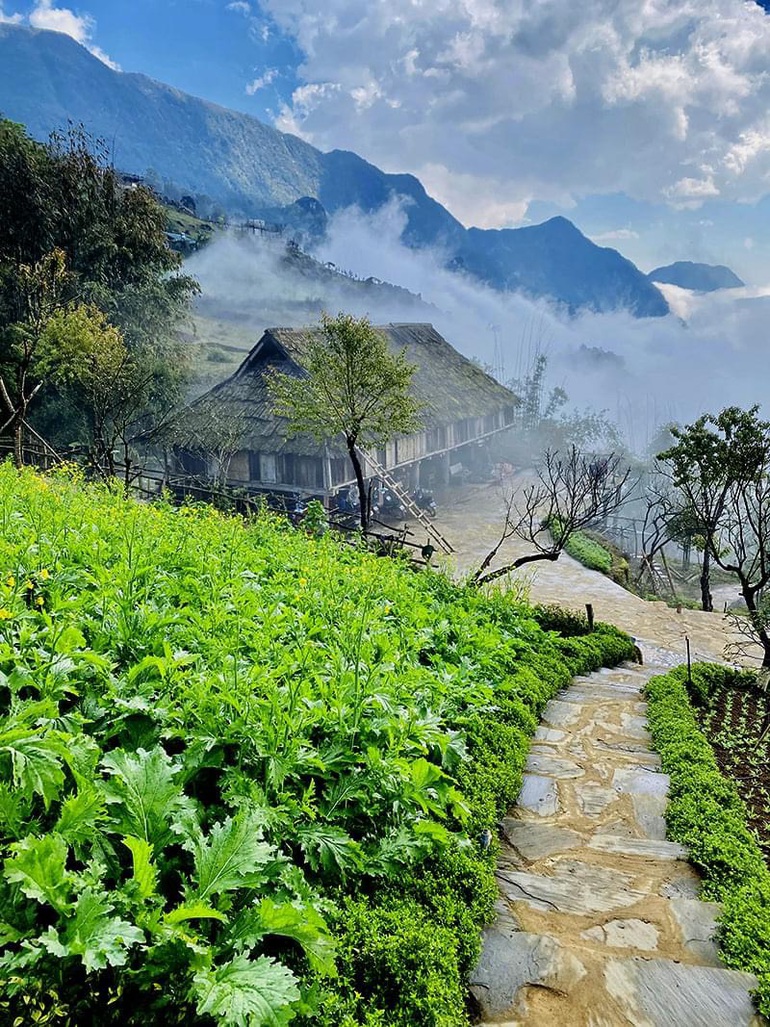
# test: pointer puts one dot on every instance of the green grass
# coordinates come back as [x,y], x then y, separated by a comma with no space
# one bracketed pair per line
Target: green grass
[244,770]
[706,814]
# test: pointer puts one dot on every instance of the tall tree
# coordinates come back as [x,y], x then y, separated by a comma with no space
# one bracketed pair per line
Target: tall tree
[63,205]
[351,385]
[713,463]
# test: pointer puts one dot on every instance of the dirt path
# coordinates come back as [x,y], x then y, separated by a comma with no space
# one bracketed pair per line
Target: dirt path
[599,922]
[472,522]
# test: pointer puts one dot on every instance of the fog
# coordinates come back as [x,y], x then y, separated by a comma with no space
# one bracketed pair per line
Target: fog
[711,351]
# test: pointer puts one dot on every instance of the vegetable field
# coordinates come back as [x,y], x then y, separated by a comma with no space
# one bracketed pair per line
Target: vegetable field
[731,720]
[244,771]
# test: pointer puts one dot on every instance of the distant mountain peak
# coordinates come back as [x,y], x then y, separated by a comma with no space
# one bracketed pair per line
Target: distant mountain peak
[698,277]
[203,150]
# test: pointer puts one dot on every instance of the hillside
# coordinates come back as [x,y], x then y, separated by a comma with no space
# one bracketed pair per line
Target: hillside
[245,768]
[47,80]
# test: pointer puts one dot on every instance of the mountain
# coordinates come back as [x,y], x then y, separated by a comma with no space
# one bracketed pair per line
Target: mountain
[698,277]
[48,80]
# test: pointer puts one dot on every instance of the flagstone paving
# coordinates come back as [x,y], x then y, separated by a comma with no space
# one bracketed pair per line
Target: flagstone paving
[599,923]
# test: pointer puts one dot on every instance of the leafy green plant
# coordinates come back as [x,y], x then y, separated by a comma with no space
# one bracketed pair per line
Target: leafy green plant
[234,757]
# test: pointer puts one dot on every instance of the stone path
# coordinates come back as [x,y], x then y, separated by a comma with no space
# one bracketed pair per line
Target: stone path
[599,922]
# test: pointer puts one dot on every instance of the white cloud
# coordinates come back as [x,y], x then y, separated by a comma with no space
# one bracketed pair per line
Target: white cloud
[665,100]
[79,26]
[615,235]
[261,81]
[9,19]
[240,7]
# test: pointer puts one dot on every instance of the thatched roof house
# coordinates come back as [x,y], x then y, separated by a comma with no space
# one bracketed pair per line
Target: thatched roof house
[462,405]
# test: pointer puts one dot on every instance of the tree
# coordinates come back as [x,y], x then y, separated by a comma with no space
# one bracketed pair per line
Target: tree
[570,492]
[715,463]
[64,209]
[24,354]
[350,385]
[113,387]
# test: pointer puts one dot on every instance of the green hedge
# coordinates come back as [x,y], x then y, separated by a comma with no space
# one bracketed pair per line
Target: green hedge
[706,814]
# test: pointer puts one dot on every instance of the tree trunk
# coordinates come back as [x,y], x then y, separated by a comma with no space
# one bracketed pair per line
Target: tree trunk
[361,484]
[750,598]
[706,600]
[522,560]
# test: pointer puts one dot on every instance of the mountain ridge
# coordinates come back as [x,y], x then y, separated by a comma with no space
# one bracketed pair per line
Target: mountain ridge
[48,80]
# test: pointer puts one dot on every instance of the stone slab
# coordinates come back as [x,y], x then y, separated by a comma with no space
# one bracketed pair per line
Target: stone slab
[574,887]
[635,726]
[539,795]
[648,847]
[698,923]
[685,885]
[663,993]
[649,813]
[625,934]
[594,799]
[511,961]
[553,766]
[561,714]
[534,841]
[640,781]
[549,734]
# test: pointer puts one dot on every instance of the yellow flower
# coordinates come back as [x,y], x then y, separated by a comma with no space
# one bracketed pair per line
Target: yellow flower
[10,581]
[303,582]
[5,614]
[387,609]
[44,575]
[29,584]
[40,601]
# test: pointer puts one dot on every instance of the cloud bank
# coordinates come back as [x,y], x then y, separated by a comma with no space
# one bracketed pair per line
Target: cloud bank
[644,372]
[494,102]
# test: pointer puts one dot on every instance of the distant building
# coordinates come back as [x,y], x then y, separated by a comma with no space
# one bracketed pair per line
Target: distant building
[463,407]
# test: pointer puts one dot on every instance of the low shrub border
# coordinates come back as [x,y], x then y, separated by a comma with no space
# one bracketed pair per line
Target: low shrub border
[706,814]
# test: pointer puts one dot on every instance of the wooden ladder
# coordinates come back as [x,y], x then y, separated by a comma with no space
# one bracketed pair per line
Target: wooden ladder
[419,515]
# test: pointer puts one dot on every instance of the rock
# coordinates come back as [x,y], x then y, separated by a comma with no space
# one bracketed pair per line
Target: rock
[640,781]
[625,934]
[554,766]
[653,848]
[549,734]
[574,887]
[509,963]
[594,799]
[534,841]
[539,795]
[663,993]
[698,923]
[561,714]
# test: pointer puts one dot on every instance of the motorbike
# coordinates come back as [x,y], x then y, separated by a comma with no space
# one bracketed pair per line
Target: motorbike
[390,505]
[425,501]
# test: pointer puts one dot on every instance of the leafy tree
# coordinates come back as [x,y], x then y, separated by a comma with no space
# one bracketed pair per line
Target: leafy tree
[116,389]
[718,464]
[570,492]
[39,289]
[73,234]
[351,385]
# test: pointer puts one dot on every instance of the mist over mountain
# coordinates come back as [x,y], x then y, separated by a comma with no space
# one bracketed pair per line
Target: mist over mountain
[698,277]
[48,80]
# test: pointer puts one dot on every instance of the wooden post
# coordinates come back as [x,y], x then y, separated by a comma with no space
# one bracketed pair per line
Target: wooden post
[590,615]
[689,664]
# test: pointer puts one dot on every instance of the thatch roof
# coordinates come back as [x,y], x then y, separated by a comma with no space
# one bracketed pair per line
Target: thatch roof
[448,386]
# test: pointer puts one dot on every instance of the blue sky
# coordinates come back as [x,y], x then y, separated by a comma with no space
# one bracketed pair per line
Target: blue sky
[646,124]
